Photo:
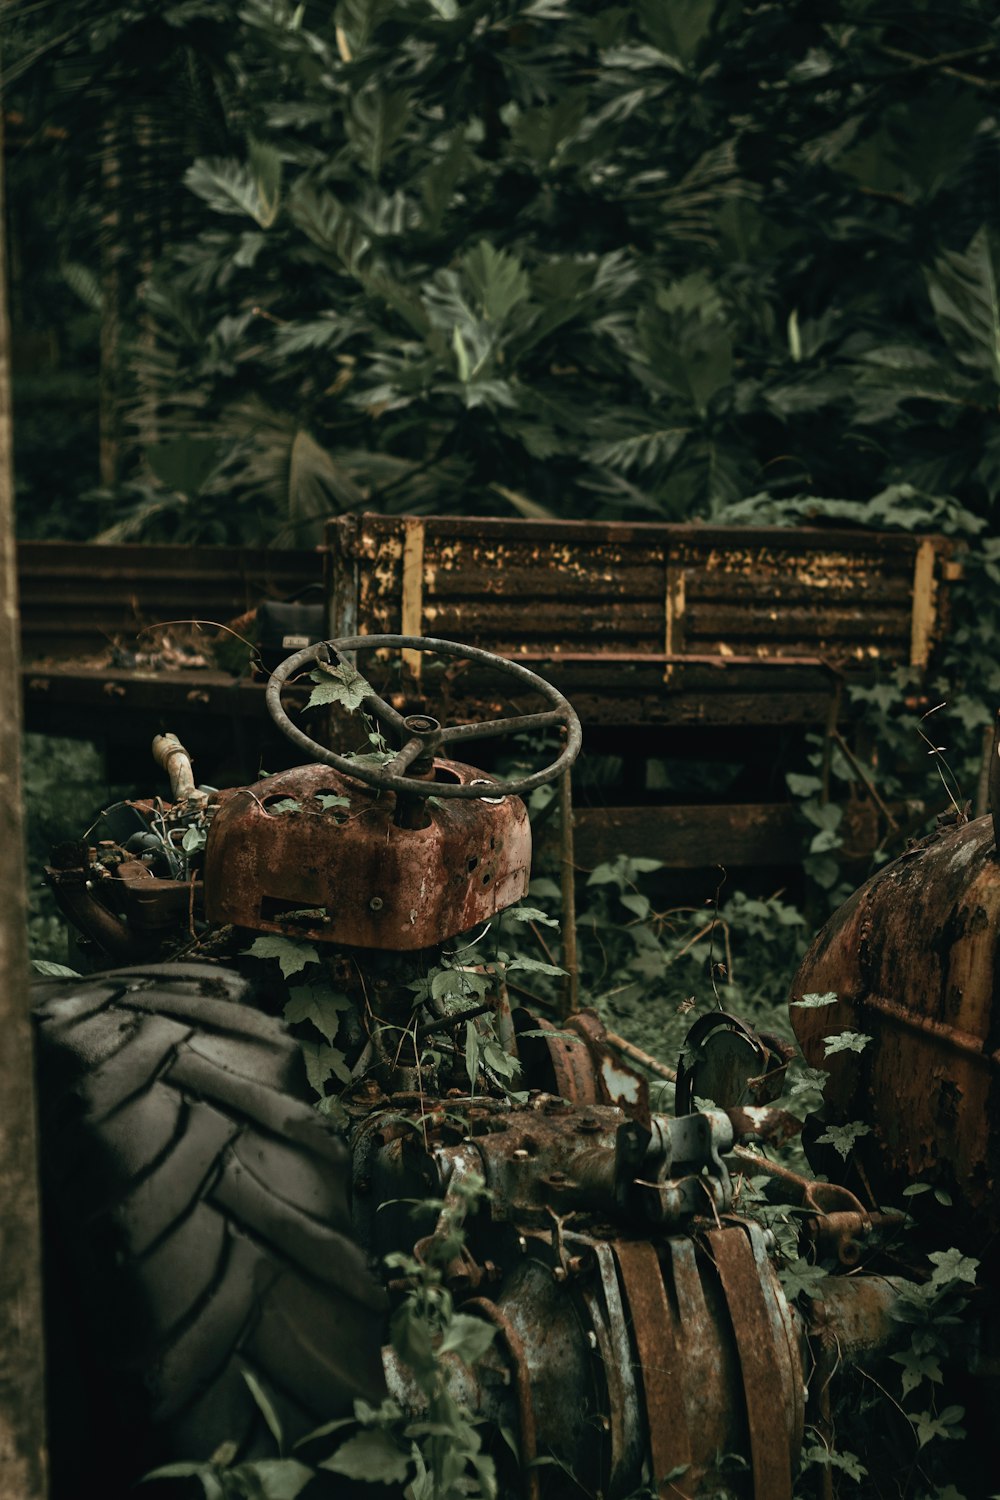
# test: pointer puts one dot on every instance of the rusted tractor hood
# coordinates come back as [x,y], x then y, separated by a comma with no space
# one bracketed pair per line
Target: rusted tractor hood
[314,854]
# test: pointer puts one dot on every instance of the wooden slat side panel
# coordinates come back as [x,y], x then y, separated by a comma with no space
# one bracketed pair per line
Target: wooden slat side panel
[78,600]
[529,588]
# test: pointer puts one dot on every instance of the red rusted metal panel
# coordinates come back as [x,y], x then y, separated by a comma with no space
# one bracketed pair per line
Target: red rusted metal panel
[912,961]
[348,873]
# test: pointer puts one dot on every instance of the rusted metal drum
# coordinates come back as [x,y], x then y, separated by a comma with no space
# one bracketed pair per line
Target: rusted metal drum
[913,960]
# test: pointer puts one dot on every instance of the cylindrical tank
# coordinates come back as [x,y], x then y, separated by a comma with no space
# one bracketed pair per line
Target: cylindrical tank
[912,958]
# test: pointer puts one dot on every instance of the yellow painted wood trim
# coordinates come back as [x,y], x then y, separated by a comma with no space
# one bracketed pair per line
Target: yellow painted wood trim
[924,616]
[413,588]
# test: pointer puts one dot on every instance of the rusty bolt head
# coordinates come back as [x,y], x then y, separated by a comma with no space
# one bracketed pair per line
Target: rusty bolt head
[588,1125]
[556,1178]
[522,1155]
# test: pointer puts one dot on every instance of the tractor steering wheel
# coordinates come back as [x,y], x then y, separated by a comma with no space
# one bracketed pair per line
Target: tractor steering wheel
[421,736]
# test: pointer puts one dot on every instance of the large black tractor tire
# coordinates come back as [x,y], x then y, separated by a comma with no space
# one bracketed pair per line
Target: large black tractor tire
[197,1226]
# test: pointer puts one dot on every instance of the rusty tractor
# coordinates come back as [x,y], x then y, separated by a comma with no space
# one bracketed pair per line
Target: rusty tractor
[205,1222]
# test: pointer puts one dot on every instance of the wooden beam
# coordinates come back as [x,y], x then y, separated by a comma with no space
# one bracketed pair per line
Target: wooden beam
[22,1365]
[694,837]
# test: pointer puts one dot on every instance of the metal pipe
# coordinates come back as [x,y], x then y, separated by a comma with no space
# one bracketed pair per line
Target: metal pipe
[169,753]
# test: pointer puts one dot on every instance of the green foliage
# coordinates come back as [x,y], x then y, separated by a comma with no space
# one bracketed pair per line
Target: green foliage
[292,954]
[341,684]
[627,261]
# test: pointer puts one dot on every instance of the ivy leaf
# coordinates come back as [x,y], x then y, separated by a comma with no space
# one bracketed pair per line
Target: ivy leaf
[372,1456]
[842,1137]
[534,966]
[813,1002]
[917,1368]
[952,1265]
[323,1063]
[529,914]
[464,983]
[636,902]
[845,1041]
[801,1277]
[284,805]
[928,1426]
[829,1458]
[323,1007]
[292,955]
[328,800]
[468,1337]
[341,684]
[499,1061]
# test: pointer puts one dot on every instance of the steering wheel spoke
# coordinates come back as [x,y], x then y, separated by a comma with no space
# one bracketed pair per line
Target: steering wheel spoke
[404,758]
[430,738]
[385,713]
[486,730]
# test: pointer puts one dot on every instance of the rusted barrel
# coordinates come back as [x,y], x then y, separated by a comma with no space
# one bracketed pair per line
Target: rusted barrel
[913,960]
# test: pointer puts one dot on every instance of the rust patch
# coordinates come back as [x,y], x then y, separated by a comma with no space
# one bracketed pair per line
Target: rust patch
[350,874]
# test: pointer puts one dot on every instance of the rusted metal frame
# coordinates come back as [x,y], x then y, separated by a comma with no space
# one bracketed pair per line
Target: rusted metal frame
[821,1197]
[611,1328]
[74,897]
[655,1335]
[783,1322]
[702,1385]
[572,1066]
[753,1325]
[522,1385]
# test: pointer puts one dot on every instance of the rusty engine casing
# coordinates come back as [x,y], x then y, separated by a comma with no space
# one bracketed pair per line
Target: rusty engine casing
[313,854]
[912,958]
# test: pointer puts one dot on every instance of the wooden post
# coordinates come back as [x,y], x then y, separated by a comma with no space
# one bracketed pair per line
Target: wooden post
[571,984]
[22,1385]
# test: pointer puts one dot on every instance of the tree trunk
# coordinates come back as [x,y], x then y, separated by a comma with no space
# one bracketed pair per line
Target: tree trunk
[22,1386]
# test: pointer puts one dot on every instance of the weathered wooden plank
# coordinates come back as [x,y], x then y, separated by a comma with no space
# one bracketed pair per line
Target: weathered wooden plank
[77,600]
[694,837]
[647,533]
